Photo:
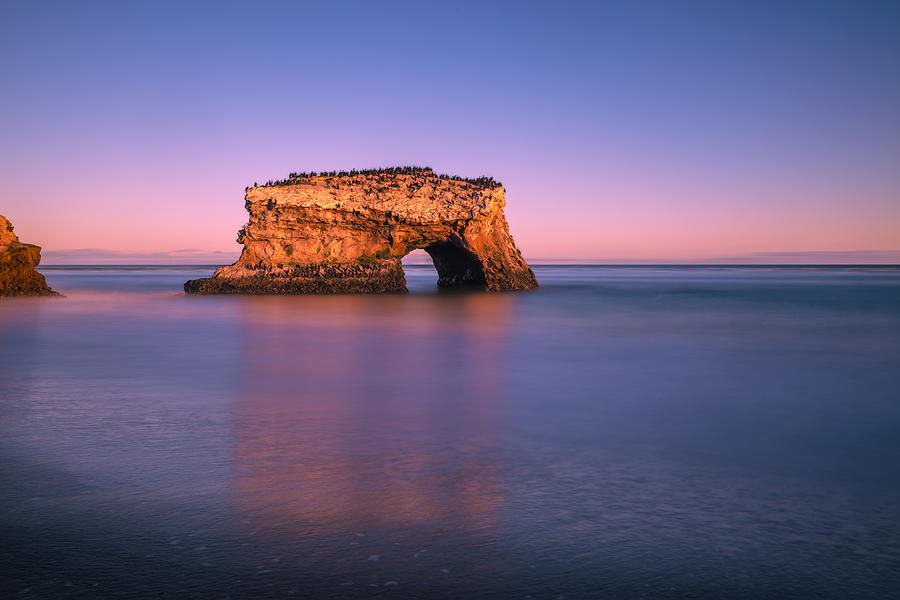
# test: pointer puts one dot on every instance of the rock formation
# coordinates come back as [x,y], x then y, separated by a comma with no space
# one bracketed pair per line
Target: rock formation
[346,233]
[18,276]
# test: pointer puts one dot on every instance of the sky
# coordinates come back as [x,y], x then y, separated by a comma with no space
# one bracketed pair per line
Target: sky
[717,131]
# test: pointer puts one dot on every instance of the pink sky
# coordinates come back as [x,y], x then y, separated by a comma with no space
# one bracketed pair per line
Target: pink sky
[612,217]
[616,221]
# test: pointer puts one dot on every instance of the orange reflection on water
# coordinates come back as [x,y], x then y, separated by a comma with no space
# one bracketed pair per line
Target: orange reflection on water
[361,413]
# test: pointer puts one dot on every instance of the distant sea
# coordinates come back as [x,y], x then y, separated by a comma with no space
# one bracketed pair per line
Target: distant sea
[624,432]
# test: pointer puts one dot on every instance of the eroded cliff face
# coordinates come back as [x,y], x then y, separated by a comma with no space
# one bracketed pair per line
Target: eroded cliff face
[347,234]
[18,276]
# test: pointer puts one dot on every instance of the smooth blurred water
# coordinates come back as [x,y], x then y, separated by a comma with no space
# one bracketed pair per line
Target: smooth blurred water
[621,433]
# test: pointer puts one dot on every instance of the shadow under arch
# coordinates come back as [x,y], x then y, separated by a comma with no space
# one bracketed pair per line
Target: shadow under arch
[457,268]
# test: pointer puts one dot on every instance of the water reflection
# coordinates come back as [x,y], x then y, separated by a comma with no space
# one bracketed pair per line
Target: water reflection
[340,430]
[621,433]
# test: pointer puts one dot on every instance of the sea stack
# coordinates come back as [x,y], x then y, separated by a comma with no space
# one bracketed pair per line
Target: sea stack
[345,233]
[18,276]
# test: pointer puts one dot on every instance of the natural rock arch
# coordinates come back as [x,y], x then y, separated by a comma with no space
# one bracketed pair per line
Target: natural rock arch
[347,233]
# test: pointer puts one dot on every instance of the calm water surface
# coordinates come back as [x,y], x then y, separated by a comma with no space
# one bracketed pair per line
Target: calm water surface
[621,433]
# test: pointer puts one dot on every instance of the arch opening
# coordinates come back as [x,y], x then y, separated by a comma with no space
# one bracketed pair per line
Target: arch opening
[456,269]
[456,266]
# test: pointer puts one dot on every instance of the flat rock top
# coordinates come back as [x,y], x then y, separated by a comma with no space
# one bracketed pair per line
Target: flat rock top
[414,197]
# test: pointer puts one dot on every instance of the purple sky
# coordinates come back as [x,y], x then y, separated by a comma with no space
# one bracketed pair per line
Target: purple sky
[623,131]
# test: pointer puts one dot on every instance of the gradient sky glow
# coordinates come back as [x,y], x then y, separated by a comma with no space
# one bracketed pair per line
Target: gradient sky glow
[623,131]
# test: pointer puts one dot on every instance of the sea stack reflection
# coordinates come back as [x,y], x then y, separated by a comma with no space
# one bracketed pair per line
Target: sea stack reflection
[347,232]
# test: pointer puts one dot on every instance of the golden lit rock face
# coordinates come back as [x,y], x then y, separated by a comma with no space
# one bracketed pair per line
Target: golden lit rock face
[18,276]
[347,234]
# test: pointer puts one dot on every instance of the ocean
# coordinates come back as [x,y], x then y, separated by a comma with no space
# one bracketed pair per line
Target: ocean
[624,432]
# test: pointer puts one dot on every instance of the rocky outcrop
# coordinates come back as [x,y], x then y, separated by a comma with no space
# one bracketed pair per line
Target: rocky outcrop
[18,276]
[346,233]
